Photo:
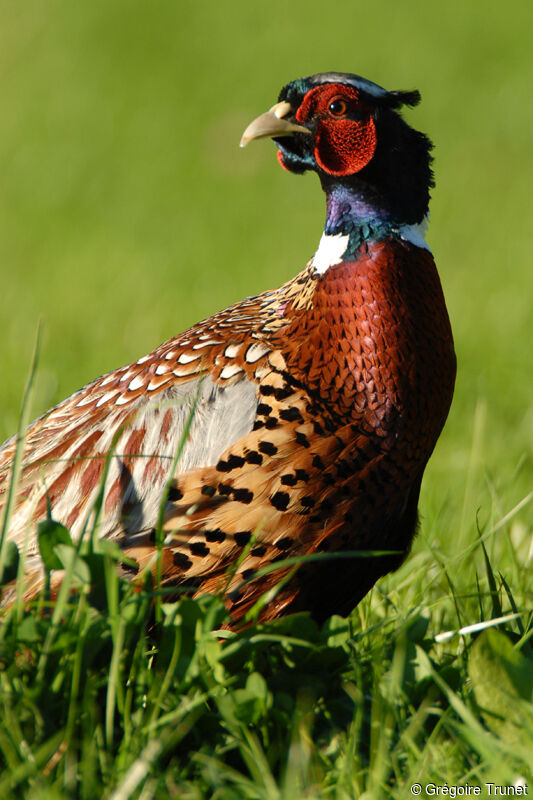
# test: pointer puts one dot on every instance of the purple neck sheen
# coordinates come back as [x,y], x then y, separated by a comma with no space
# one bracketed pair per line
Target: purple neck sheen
[351,212]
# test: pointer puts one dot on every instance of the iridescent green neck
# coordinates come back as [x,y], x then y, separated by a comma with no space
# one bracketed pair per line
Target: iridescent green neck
[351,220]
[350,213]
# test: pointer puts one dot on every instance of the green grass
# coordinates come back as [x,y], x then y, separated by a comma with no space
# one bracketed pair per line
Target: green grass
[127,213]
[100,697]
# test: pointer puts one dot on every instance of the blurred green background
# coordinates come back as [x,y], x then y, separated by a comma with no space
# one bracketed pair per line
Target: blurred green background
[127,211]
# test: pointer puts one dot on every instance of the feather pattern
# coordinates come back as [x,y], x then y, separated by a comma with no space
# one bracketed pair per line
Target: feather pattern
[318,405]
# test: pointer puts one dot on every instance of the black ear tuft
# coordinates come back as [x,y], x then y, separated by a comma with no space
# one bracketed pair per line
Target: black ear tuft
[398,99]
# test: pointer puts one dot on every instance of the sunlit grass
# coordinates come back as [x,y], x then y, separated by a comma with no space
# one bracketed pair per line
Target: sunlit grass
[107,703]
[107,689]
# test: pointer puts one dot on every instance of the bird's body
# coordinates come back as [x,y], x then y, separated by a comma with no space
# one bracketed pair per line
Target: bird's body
[317,404]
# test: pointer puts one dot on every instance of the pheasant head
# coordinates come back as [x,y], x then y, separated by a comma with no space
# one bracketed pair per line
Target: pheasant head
[374,167]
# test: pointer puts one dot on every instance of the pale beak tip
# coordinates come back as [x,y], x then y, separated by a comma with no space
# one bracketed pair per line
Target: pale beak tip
[272,124]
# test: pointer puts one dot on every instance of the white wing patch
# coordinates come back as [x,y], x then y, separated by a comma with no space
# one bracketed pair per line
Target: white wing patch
[185,358]
[331,249]
[105,397]
[255,352]
[136,383]
[232,350]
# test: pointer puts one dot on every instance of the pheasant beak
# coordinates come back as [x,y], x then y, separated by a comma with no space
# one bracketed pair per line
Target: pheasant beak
[272,123]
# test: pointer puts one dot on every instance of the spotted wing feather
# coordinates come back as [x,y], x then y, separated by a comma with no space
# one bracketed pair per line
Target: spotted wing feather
[66,451]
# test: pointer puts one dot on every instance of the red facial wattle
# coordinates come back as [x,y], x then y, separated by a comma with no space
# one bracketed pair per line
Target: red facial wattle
[343,145]
[280,160]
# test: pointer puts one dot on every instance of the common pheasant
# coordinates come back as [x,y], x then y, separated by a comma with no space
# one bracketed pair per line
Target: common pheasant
[318,404]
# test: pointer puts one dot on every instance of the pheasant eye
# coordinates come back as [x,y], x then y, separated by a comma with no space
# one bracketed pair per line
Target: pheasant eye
[337,107]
